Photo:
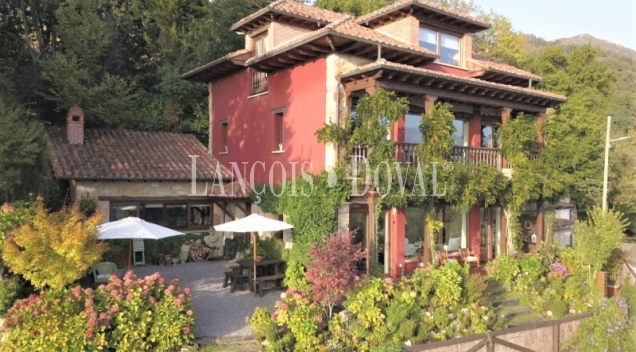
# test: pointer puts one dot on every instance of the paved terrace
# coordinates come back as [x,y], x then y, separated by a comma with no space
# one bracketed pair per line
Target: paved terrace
[218,313]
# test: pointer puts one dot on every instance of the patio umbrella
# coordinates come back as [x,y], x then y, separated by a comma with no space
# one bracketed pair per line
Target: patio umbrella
[254,223]
[133,228]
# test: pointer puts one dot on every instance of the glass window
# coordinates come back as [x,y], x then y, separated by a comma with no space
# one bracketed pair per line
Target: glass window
[412,132]
[449,51]
[200,214]
[454,232]
[460,136]
[118,212]
[153,213]
[488,137]
[176,215]
[260,45]
[446,45]
[414,232]
[428,39]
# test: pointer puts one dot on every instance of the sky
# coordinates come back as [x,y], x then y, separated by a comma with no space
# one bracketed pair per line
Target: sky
[613,20]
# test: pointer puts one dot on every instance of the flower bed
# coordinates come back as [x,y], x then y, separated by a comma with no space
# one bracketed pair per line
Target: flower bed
[380,314]
[132,314]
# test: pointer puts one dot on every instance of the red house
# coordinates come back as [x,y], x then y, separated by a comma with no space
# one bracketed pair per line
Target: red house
[303,67]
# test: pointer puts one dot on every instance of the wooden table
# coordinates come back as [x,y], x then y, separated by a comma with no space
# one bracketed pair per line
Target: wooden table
[263,269]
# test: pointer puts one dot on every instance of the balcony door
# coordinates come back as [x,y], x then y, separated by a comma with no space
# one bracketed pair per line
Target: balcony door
[490,232]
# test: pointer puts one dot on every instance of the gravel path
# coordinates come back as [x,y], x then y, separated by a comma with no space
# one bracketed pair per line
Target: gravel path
[218,313]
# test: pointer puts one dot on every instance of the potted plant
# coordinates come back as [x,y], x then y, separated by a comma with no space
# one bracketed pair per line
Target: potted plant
[183,256]
[261,253]
[612,268]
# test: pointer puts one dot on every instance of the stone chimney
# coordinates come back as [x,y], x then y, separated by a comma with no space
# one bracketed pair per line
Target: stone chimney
[75,125]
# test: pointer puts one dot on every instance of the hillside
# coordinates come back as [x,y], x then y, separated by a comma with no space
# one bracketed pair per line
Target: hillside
[601,44]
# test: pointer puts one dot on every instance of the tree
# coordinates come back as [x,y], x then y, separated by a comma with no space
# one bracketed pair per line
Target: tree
[353,7]
[332,270]
[54,249]
[575,131]
[24,165]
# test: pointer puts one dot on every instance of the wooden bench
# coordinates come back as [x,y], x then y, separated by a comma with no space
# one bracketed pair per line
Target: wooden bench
[235,278]
[276,279]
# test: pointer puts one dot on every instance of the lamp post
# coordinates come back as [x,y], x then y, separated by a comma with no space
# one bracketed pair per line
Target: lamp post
[608,141]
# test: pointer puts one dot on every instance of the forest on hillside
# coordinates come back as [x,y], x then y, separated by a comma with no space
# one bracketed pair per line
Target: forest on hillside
[121,60]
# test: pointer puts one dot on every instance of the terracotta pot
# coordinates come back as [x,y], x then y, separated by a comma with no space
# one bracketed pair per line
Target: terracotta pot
[259,258]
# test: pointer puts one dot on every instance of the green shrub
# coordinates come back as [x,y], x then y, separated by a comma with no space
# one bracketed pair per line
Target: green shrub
[558,308]
[263,325]
[610,329]
[10,291]
[475,285]
[629,294]
[132,314]
[504,269]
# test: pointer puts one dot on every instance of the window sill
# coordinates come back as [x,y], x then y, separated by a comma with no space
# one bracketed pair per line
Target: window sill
[278,151]
[257,95]
[450,65]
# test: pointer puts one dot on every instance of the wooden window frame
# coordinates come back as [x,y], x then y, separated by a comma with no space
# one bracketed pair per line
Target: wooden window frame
[187,203]
[460,41]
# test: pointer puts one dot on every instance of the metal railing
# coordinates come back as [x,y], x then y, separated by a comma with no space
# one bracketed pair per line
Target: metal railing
[259,82]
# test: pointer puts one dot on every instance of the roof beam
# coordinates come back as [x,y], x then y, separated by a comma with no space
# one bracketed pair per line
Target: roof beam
[465,98]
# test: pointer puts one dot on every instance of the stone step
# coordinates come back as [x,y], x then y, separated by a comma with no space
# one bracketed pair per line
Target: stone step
[517,312]
[510,302]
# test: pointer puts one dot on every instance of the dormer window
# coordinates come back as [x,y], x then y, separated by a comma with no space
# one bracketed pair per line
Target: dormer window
[446,45]
[260,44]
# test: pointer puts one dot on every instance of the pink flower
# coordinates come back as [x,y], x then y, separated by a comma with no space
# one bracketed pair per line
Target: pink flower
[89,291]
[175,282]
[186,330]
[274,316]
[189,312]
[177,302]
[181,296]
[89,333]
[319,318]
[388,280]
[187,290]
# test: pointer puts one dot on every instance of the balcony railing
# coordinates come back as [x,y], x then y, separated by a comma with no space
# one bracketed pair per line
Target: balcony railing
[476,156]
[259,82]
[407,153]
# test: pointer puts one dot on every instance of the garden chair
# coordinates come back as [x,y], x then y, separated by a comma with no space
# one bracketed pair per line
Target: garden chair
[467,258]
[443,257]
[102,272]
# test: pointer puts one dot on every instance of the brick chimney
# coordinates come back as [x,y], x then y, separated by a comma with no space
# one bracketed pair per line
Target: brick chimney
[75,125]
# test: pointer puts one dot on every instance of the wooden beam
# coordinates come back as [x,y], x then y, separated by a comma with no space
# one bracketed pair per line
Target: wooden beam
[466,98]
[282,59]
[330,41]
[299,58]
[319,48]
[349,47]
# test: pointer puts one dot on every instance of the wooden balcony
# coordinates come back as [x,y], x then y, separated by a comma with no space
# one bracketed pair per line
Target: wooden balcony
[407,153]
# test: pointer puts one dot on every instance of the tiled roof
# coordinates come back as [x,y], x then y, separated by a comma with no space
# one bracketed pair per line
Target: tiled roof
[351,28]
[403,3]
[346,27]
[115,154]
[383,63]
[291,8]
[224,60]
[493,65]
[231,190]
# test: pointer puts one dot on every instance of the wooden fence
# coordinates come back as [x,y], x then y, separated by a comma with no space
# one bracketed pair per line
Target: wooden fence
[549,336]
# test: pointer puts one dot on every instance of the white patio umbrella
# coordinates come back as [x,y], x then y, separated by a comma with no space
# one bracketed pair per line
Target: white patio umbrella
[254,223]
[133,228]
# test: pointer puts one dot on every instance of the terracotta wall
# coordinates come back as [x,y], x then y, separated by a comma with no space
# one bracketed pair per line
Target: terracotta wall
[301,91]
[405,29]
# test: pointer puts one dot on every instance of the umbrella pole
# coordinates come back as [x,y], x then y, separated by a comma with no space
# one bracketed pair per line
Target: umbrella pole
[129,253]
[254,261]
